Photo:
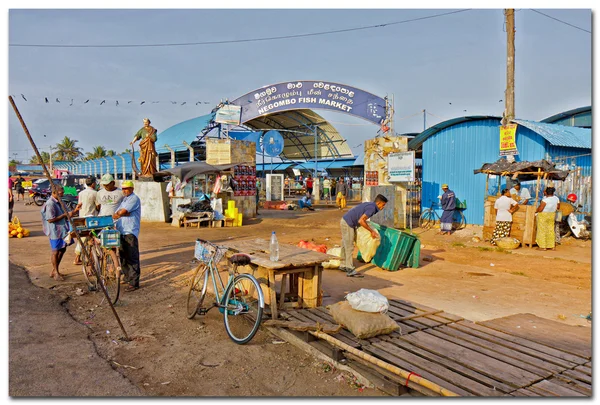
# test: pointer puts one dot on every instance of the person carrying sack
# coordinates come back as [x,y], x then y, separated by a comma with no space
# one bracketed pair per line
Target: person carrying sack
[341,191]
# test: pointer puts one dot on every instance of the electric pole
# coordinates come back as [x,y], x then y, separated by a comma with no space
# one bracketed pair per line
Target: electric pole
[509,96]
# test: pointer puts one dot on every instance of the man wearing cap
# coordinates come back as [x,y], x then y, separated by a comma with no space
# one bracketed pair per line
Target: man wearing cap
[110,197]
[448,205]
[87,208]
[128,217]
[519,194]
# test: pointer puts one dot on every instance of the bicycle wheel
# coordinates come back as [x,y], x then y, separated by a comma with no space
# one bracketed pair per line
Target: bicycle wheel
[245,304]
[458,220]
[427,219]
[88,267]
[111,275]
[197,291]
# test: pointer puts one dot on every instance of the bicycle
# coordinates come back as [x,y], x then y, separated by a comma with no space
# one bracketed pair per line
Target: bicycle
[429,217]
[241,301]
[104,261]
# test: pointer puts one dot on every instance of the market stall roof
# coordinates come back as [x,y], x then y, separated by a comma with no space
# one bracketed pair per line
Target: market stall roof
[186,131]
[560,135]
[295,127]
[191,169]
[273,166]
[525,170]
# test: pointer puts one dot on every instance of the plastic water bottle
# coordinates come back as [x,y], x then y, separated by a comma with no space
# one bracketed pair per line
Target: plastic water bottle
[274,248]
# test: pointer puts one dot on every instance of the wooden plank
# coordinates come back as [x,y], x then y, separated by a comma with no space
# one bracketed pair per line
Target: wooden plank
[418,323]
[577,375]
[438,370]
[575,340]
[522,392]
[557,390]
[540,392]
[499,350]
[409,305]
[512,345]
[451,365]
[389,358]
[476,361]
[381,378]
[584,369]
[571,360]
[585,390]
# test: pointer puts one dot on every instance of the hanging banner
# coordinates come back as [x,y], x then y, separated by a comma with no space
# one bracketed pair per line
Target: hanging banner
[311,95]
[508,140]
[401,166]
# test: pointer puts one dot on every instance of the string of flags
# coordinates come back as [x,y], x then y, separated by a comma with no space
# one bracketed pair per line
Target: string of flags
[71,101]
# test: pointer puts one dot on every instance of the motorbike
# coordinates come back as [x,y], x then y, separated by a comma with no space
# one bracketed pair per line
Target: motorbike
[41,196]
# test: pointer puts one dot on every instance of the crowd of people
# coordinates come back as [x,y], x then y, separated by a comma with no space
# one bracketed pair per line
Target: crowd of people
[121,204]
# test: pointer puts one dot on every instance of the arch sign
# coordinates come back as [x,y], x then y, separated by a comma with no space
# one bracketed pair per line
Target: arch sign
[311,95]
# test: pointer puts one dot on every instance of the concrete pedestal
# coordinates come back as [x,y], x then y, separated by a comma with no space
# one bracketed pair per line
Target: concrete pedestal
[154,198]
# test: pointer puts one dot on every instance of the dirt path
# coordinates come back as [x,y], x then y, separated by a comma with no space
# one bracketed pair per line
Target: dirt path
[172,355]
[50,353]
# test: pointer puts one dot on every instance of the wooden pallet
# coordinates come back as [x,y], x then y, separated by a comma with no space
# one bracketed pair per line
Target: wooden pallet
[470,359]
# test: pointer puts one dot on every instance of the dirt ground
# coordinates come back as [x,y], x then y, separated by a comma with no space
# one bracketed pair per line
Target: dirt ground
[173,356]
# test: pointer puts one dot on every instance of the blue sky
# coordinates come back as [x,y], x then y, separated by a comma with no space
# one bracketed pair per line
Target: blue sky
[428,64]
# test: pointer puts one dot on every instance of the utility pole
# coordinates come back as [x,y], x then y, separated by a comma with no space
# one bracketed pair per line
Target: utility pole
[424,120]
[509,96]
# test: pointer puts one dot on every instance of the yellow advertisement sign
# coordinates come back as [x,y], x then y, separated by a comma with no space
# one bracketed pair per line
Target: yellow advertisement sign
[27,184]
[508,140]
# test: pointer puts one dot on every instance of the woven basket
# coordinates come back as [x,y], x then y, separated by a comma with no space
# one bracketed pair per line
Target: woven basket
[508,243]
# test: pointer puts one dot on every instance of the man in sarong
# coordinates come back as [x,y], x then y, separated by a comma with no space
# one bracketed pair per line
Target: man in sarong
[148,155]
[448,205]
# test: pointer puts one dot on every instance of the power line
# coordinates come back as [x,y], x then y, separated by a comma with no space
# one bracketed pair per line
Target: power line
[560,21]
[243,40]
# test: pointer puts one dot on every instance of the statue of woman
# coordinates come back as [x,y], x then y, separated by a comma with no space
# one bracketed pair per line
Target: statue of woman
[148,154]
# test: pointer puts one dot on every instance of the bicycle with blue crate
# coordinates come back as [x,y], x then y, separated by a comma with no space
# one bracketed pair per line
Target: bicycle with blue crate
[102,263]
[430,217]
[241,300]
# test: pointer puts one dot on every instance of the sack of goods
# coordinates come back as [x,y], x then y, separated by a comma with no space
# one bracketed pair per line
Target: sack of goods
[368,301]
[363,325]
[333,263]
[366,244]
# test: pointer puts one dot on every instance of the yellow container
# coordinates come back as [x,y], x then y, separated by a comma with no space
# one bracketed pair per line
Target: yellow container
[226,213]
[234,215]
[239,220]
[230,205]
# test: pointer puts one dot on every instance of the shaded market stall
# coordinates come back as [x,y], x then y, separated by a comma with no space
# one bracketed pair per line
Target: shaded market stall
[523,225]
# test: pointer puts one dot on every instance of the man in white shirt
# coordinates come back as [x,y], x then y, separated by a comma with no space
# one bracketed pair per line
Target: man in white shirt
[87,208]
[519,194]
[109,198]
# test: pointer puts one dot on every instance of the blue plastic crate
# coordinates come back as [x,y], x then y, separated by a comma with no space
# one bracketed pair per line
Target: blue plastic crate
[98,222]
[110,238]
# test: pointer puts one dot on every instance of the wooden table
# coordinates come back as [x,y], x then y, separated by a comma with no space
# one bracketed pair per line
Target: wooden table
[300,267]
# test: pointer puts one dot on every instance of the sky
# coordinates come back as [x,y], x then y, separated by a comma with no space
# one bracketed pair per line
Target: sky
[450,66]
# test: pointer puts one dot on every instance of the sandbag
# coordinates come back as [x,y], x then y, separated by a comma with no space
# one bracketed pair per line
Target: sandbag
[368,301]
[335,251]
[366,244]
[332,264]
[363,325]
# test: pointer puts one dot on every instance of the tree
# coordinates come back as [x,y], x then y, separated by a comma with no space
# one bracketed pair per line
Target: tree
[127,151]
[111,153]
[67,150]
[45,157]
[14,162]
[98,152]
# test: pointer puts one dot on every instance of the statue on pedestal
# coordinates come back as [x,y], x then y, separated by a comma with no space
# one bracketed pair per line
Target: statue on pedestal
[148,154]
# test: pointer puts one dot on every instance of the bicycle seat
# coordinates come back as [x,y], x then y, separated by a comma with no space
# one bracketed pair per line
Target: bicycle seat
[241,259]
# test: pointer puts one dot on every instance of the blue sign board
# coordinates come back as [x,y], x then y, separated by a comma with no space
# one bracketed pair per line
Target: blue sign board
[311,95]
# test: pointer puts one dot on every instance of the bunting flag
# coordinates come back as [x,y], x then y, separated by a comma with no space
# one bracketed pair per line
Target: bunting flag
[73,102]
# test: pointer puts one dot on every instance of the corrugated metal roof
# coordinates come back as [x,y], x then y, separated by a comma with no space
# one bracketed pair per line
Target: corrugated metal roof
[567,114]
[186,131]
[301,144]
[416,143]
[273,166]
[560,135]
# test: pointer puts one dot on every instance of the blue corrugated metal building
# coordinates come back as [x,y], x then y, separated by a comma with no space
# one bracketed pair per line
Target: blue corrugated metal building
[577,117]
[453,149]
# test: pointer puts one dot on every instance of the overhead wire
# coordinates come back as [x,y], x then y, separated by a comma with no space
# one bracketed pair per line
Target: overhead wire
[244,40]
[560,21]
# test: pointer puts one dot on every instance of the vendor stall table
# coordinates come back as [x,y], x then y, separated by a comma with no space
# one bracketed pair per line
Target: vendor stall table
[302,267]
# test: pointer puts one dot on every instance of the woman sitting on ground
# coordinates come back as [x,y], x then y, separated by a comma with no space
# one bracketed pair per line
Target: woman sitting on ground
[505,206]
[546,212]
